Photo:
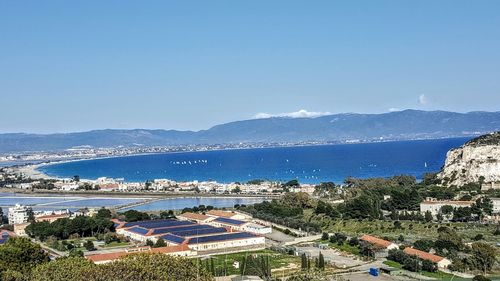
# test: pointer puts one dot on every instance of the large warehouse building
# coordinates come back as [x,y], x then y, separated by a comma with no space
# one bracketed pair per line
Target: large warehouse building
[197,237]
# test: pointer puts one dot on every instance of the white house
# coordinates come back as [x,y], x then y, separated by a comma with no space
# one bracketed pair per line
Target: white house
[434,206]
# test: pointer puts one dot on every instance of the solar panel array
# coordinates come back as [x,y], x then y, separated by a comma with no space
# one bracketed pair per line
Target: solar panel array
[200,232]
[222,237]
[157,223]
[139,230]
[180,228]
[173,238]
[229,221]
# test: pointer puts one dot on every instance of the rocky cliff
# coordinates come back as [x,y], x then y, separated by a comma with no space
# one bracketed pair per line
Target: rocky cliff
[476,161]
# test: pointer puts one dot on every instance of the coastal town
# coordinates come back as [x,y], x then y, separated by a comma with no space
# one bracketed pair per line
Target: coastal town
[409,230]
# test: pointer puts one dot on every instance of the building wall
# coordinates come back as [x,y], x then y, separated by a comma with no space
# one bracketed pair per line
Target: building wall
[444,263]
[228,244]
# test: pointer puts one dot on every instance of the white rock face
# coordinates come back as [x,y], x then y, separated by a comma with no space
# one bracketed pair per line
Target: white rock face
[469,162]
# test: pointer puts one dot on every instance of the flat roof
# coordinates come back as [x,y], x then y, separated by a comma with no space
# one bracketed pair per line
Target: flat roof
[230,221]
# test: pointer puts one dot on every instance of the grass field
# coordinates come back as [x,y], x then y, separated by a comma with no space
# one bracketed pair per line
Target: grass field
[277,260]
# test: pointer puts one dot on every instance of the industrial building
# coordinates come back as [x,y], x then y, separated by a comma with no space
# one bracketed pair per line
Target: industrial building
[197,237]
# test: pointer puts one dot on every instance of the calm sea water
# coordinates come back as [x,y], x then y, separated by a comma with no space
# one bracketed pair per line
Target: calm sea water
[181,203]
[309,164]
[74,203]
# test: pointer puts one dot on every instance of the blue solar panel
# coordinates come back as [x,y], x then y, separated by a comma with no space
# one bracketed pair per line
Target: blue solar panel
[139,230]
[223,237]
[157,223]
[229,221]
[199,232]
[173,238]
[180,228]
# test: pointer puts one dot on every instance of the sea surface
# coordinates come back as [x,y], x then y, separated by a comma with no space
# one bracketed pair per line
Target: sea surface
[73,203]
[308,164]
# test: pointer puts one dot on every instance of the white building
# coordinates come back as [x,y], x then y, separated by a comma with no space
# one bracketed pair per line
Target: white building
[257,228]
[496,205]
[19,214]
[434,206]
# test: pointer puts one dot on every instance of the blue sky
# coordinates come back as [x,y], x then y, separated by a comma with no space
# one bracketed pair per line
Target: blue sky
[80,65]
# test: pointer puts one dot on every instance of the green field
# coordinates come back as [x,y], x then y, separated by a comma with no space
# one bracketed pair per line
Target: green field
[277,260]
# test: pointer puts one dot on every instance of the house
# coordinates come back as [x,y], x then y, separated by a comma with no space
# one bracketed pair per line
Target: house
[440,261]
[434,206]
[381,246]
[380,243]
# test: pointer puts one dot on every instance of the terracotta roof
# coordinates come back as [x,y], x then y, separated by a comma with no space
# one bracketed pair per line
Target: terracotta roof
[423,255]
[59,216]
[194,216]
[223,214]
[170,249]
[106,257]
[376,241]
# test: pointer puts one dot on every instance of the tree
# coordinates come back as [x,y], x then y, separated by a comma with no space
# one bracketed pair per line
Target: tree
[428,216]
[423,245]
[321,261]
[21,255]
[447,209]
[325,236]
[160,243]
[480,278]
[237,189]
[412,264]
[103,213]
[150,243]
[76,178]
[429,266]
[303,262]
[133,215]
[89,245]
[483,256]
[142,266]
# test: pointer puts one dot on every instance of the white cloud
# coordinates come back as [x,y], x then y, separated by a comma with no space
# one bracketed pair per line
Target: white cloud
[394,109]
[297,114]
[422,99]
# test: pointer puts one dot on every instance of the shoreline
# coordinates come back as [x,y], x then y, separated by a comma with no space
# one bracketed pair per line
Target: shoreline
[127,195]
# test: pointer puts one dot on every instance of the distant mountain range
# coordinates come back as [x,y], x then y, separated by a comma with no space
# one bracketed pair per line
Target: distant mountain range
[401,125]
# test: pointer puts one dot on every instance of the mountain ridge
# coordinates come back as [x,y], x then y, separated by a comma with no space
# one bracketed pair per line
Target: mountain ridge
[398,125]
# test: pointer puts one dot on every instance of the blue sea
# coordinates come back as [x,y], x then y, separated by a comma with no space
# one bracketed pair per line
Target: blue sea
[308,164]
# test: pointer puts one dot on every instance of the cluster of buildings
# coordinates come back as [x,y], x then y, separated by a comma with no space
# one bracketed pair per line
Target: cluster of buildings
[19,216]
[192,234]
[382,248]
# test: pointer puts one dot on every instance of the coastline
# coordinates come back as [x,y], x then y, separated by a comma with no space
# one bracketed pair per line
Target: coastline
[142,195]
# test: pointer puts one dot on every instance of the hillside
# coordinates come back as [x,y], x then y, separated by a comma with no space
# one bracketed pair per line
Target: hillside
[402,125]
[478,160]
